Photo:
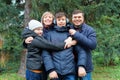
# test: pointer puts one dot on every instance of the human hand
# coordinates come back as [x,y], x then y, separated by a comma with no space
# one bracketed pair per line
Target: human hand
[28,40]
[67,45]
[74,42]
[53,75]
[68,39]
[68,42]
[72,31]
[81,71]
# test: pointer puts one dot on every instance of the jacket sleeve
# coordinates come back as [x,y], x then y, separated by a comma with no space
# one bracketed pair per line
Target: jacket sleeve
[47,59]
[25,33]
[40,42]
[88,41]
[24,44]
[82,56]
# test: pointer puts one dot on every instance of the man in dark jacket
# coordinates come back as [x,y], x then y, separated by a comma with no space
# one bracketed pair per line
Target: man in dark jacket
[86,38]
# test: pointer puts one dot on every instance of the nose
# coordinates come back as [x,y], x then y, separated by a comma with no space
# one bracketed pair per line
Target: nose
[47,18]
[77,18]
[41,31]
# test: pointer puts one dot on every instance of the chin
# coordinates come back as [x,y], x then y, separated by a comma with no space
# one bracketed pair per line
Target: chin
[48,24]
[77,24]
[40,34]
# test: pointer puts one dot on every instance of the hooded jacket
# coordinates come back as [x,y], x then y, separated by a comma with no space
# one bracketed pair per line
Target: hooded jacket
[34,49]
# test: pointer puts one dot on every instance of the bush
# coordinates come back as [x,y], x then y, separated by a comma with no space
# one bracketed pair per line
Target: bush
[108,37]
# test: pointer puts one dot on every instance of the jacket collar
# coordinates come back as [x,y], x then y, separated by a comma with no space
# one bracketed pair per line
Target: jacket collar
[78,28]
[61,29]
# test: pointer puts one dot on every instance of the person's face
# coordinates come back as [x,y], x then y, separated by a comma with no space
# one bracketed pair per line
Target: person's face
[48,19]
[39,31]
[61,21]
[77,19]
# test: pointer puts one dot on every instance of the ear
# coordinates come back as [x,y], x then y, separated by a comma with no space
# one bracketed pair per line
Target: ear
[67,20]
[54,21]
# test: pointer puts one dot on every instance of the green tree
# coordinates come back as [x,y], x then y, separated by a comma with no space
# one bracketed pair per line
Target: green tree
[11,24]
[10,27]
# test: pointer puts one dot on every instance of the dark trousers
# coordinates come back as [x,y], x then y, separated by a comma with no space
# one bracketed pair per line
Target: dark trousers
[33,76]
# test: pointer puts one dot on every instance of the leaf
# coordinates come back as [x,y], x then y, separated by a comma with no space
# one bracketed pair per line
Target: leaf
[46,1]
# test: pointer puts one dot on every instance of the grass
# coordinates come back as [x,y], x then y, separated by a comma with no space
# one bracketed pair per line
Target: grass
[106,73]
[99,73]
[11,76]
[9,72]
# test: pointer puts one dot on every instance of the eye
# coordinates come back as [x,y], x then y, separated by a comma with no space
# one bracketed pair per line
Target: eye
[79,16]
[50,17]
[59,19]
[75,17]
[63,19]
[45,16]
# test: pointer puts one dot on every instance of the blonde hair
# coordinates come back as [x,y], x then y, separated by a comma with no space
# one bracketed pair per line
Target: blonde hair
[44,14]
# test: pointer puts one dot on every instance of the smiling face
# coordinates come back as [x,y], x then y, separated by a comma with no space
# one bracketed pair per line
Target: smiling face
[47,19]
[77,19]
[61,21]
[38,31]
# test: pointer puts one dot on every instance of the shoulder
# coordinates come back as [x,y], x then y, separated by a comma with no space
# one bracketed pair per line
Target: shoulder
[27,32]
[87,27]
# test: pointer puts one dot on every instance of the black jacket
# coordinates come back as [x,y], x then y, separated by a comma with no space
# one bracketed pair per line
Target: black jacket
[34,49]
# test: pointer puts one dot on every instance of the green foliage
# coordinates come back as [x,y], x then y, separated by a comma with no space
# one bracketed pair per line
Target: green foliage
[108,35]
[10,29]
[39,7]
[13,42]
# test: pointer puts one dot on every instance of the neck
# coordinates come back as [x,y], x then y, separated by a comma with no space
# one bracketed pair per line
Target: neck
[78,26]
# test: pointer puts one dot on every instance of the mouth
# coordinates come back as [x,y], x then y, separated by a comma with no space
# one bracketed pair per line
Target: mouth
[47,21]
[40,34]
[61,25]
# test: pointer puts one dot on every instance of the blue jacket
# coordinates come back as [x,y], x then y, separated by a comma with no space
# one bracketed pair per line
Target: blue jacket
[86,38]
[61,61]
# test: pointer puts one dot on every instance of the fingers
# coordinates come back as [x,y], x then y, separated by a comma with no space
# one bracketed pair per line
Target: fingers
[81,72]
[72,31]
[53,75]
[67,45]
[28,40]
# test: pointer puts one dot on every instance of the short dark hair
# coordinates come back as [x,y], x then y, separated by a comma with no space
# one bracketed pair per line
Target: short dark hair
[60,14]
[77,11]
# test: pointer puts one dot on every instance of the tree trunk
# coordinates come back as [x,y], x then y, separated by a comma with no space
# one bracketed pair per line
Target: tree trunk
[22,68]
[28,6]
